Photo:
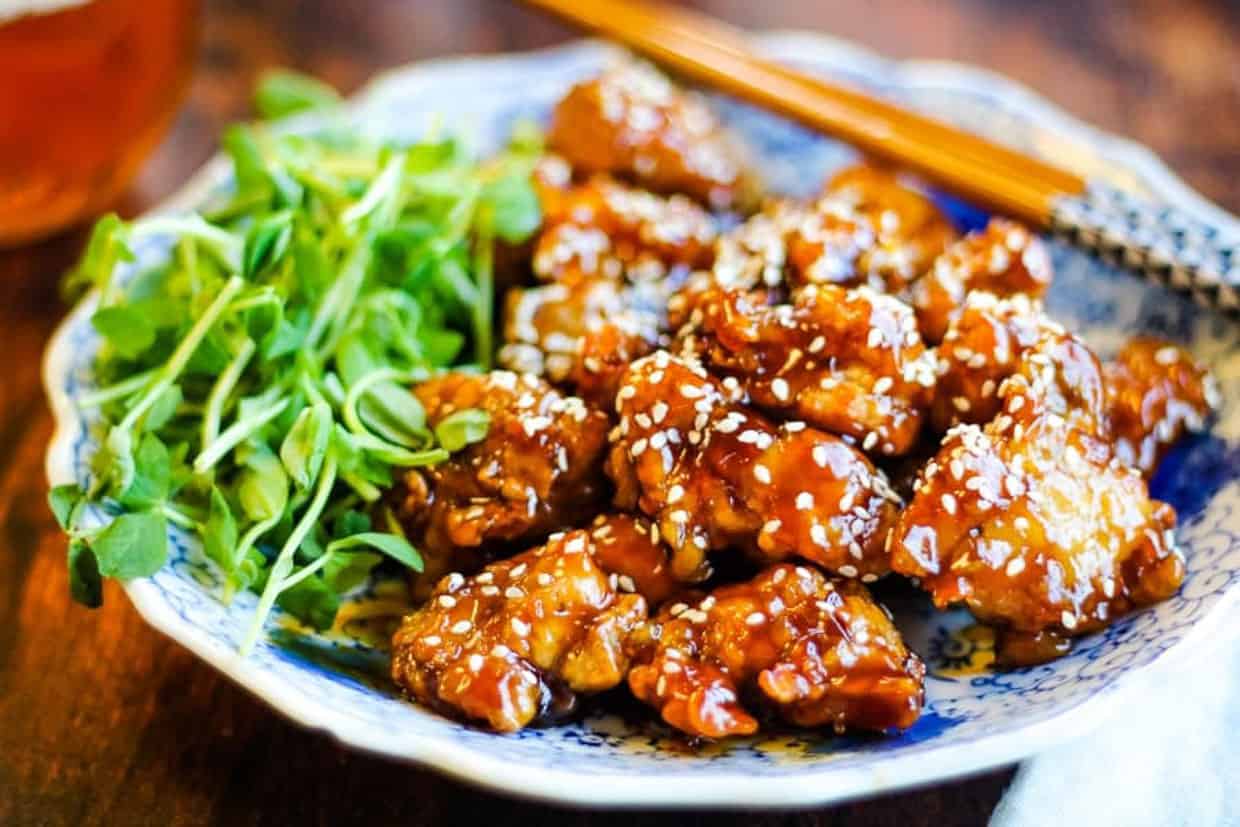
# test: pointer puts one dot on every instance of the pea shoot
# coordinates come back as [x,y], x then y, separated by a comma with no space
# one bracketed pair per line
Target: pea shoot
[254,385]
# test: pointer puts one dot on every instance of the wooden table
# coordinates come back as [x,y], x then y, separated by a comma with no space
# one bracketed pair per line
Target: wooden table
[102,721]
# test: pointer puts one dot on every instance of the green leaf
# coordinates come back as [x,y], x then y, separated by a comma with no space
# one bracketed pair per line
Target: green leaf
[393,545]
[107,247]
[350,522]
[219,535]
[126,328]
[85,585]
[266,243]
[132,545]
[249,168]
[344,572]
[462,428]
[305,445]
[282,93]
[63,500]
[515,209]
[163,409]
[152,475]
[312,602]
[263,489]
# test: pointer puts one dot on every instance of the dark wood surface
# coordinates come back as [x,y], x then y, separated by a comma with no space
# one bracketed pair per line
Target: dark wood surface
[102,721]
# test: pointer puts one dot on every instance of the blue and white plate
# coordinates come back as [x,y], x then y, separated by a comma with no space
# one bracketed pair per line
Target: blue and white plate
[974,718]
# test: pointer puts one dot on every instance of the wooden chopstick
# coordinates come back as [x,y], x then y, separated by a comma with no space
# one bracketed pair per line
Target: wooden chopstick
[691,24]
[976,169]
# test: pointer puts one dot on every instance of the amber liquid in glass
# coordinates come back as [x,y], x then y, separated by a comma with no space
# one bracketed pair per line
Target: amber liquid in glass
[87,88]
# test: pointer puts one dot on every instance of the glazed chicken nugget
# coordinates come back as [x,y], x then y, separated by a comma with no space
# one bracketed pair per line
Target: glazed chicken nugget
[518,642]
[582,335]
[868,228]
[602,228]
[1004,259]
[538,469]
[982,347]
[816,650]
[1156,392]
[847,361]
[713,474]
[1032,521]
[634,123]
[630,549]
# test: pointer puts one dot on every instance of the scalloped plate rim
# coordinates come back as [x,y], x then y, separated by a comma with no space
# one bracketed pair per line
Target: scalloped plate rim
[724,789]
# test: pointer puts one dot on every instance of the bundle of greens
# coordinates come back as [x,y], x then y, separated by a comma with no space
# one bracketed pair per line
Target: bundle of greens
[253,387]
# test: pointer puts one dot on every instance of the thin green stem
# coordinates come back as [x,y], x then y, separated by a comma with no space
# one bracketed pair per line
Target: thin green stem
[117,390]
[235,433]
[181,356]
[284,561]
[221,389]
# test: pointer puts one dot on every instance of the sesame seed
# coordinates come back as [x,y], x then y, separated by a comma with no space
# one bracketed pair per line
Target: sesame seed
[883,384]
[626,583]
[949,503]
[755,619]
[871,439]
[707,604]
[678,609]
[490,591]
[818,534]
[848,571]
[475,662]
[1015,566]
[679,516]
[804,501]
[658,411]
[1068,620]
[517,570]
[432,640]
[447,601]
[771,526]
[513,593]
[821,455]
[638,447]
[869,577]
[762,474]
[675,493]
[544,579]
[461,627]
[520,627]
[795,426]
[779,387]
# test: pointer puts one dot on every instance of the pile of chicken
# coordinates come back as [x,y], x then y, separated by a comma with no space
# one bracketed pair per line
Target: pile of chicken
[830,391]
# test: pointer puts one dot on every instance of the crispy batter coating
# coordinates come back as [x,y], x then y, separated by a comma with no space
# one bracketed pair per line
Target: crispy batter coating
[754,254]
[1031,520]
[847,361]
[583,334]
[602,228]
[633,123]
[818,651]
[982,347]
[539,469]
[519,641]
[868,228]
[630,549]
[1156,393]
[1004,259]
[713,474]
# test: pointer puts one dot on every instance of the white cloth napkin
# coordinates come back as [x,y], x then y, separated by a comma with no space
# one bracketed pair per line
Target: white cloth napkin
[1168,756]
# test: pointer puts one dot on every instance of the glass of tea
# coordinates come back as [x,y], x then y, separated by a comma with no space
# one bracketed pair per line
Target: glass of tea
[87,88]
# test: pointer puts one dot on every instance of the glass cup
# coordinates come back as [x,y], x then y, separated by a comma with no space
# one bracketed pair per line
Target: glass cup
[87,88]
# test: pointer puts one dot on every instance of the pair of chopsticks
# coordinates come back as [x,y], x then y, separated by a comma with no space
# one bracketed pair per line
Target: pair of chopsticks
[1167,246]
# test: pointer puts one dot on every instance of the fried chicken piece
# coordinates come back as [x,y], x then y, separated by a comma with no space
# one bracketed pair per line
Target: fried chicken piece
[583,335]
[754,254]
[602,228]
[634,123]
[1032,521]
[714,474]
[1004,259]
[538,469]
[630,549]
[982,347]
[1156,393]
[521,640]
[847,361]
[868,228]
[814,649]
